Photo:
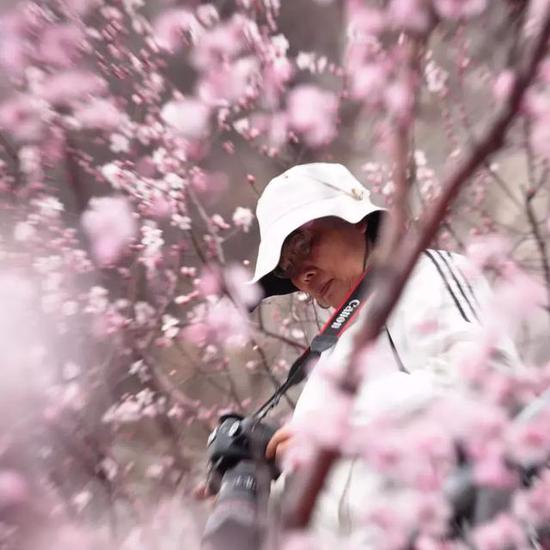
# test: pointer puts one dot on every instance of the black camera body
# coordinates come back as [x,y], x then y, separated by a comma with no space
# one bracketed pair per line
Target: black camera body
[236,438]
[240,476]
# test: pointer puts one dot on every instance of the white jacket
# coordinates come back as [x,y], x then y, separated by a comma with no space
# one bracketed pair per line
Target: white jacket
[434,325]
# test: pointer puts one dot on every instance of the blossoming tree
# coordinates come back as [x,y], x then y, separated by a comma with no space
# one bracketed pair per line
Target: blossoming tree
[134,139]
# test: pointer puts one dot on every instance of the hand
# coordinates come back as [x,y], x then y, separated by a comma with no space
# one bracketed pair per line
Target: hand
[201,492]
[278,444]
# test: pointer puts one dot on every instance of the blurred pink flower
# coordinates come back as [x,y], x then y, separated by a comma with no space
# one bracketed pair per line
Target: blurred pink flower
[173,25]
[368,82]
[111,227]
[231,82]
[20,118]
[219,323]
[399,100]
[515,298]
[491,471]
[459,9]
[189,116]
[331,408]
[503,85]
[196,333]
[209,283]
[221,43]
[300,542]
[218,222]
[13,489]
[413,15]
[533,505]
[98,114]
[364,20]
[243,218]
[502,532]
[529,442]
[489,250]
[13,49]
[312,112]
[61,45]
[236,279]
[73,85]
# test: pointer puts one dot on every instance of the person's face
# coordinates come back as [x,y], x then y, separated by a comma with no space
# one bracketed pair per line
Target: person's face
[324,258]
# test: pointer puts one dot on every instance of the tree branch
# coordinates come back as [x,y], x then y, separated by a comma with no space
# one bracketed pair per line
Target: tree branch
[392,268]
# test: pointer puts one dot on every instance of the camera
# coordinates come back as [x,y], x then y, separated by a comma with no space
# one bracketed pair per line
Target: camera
[240,476]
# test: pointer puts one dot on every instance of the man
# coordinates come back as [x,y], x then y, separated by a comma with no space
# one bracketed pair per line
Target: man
[318,227]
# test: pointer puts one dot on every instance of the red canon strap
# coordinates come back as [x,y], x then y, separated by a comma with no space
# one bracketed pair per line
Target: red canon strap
[339,321]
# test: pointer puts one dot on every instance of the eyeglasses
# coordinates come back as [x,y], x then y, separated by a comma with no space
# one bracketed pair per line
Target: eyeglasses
[295,250]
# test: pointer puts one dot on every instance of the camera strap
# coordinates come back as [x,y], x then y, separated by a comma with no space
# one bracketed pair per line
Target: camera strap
[337,324]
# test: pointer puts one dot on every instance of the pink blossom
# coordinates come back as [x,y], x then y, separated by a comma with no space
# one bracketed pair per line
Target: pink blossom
[413,15]
[312,112]
[491,471]
[98,114]
[400,513]
[436,77]
[209,184]
[459,9]
[528,442]
[300,542]
[274,78]
[111,227]
[218,222]
[160,206]
[13,489]
[274,127]
[196,333]
[243,217]
[488,250]
[173,25]
[399,100]
[62,44]
[364,20]
[223,42]
[516,297]
[13,50]
[189,116]
[70,86]
[219,322]
[210,283]
[544,70]
[368,82]
[330,406]
[502,532]
[208,14]
[230,83]
[503,85]
[20,117]
[533,505]
[236,280]
[80,7]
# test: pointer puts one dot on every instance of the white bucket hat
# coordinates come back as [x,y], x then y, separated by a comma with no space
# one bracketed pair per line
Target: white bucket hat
[301,194]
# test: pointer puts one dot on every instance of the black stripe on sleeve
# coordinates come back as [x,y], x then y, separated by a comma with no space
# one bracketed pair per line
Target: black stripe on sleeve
[442,275]
[461,288]
[466,281]
[395,352]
